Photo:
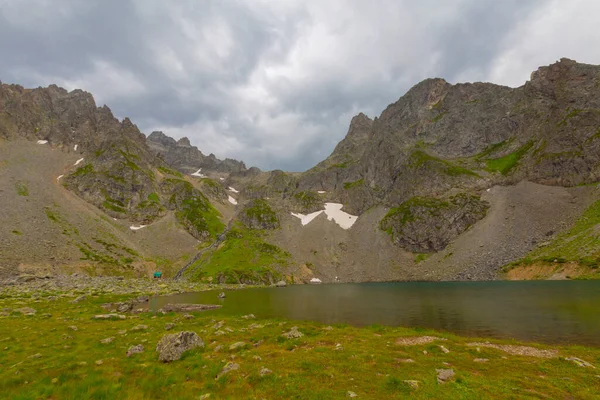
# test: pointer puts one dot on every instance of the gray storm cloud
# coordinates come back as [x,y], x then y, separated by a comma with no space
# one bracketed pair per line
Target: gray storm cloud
[276,83]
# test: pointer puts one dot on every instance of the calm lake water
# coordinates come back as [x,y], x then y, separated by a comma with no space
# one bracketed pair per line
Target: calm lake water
[539,311]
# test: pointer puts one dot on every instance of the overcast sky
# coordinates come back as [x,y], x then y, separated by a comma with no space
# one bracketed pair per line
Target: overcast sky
[275,82]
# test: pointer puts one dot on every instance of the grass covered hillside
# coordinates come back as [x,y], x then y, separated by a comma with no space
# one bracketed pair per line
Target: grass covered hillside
[574,253]
[53,346]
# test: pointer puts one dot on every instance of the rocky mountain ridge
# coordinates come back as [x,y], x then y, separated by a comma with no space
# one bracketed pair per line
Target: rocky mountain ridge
[188,159]
[414,181]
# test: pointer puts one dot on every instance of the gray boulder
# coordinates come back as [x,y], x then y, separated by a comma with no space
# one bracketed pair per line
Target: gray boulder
[171,347]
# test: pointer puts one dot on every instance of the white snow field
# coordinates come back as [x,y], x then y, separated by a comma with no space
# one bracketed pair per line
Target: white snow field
[334,213]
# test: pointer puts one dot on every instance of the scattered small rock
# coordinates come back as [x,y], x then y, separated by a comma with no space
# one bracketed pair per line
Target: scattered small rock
[172,346]
[237,345]
[221,295]
[135,350]
[580,362]
[444,349]
[169,326]
[73,328]
[139,328]
[38,355]
[281,284]
[188,316]
[416,340]
[109,316]
[26,310]
[55,380]
[79,299]
[230,366]
[294,333]
[518,350]
[107,340]
[351,394]
[481,360]
[444,375]
[204,396]
[218,325]
[189,307]
[249,316]
[99,362]
[218,348]
[265,371]
[412,384]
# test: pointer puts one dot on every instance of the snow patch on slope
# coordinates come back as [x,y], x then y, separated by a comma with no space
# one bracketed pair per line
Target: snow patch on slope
[305,219]
[42,141]
[78,161]
[137,228]
[334,213]
[198,174]
[232,200]
[232,189]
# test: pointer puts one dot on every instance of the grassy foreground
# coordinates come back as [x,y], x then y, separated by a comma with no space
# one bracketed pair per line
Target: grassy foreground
[58,354]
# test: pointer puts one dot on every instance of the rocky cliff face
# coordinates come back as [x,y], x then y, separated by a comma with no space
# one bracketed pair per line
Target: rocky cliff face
[187,159]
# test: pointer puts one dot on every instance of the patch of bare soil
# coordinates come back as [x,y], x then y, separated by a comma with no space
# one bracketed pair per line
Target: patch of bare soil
[518,350]
[547,271]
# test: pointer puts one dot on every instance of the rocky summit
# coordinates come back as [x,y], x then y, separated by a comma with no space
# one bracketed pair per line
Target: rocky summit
[450,182]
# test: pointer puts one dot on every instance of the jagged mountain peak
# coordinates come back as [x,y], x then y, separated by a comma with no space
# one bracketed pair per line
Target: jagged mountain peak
[188,159]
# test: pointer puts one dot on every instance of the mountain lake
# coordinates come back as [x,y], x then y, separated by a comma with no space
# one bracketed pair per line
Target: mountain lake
[555,312]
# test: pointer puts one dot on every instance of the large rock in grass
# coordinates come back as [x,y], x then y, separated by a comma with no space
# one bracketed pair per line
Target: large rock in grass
[171,347]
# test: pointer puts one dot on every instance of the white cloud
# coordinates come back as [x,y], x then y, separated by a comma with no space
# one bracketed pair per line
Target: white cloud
[559,29]
[275,83]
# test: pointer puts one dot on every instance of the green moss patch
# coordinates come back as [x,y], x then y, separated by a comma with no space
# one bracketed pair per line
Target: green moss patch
[505,164]
[21,188]
[420,158]
[355,184]
[258,214]
[243,257]
[170,171]
[308,200]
